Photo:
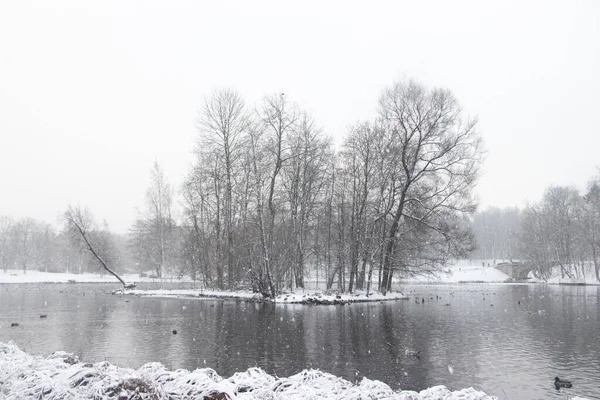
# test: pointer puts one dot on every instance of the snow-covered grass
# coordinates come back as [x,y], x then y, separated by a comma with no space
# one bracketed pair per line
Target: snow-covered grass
[462,273]
[297,297]
[62,376]
[177,293]
[33,276]
[473,272]
[585,277]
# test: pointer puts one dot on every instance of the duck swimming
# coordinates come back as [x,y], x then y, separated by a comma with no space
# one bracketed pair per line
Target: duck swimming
[561,383]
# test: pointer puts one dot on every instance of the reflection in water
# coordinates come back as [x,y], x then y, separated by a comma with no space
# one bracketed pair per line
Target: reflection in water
[484,338]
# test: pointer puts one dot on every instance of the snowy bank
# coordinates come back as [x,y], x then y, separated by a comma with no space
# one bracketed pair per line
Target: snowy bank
[33,276]
[483,271]
[583,276]
[462,273]
[63,376]
[298,297]
[342,298]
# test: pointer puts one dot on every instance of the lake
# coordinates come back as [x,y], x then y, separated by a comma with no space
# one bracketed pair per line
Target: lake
[484,338]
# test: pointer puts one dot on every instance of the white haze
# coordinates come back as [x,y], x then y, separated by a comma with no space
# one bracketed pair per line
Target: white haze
[91,93]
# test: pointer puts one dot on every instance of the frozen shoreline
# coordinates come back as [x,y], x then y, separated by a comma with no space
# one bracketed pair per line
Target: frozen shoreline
[33,276]
[464,271]
[461,272]
[298,297]
[63,376]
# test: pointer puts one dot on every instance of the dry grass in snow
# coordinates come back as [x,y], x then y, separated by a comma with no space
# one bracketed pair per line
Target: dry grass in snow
[62,376]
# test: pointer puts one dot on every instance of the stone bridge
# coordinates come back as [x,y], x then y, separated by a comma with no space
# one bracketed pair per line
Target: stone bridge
[515,270]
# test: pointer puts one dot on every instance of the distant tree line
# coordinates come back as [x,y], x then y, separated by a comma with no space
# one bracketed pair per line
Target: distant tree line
[561,231]
[269,201]
[497,233]
[28,244]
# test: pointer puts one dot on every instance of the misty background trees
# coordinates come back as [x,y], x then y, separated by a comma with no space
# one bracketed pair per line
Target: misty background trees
[562,230]
[498,234]
[152,237]
[271,204]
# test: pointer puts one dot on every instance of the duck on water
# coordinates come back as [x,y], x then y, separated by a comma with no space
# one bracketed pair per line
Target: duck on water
[562,383]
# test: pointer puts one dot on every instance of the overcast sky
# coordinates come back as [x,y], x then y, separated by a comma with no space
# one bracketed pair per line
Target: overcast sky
[91,93]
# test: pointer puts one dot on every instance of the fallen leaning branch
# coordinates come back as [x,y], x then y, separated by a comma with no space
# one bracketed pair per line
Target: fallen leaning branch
[62,376]
[82,220]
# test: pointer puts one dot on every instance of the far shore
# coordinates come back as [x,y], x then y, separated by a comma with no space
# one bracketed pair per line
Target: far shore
[460,273]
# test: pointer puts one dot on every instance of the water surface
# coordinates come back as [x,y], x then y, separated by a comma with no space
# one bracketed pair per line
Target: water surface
[484,338]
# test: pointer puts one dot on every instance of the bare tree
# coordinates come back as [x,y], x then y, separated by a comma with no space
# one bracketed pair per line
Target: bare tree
[438,155]
[326,221]
[203,205]
[591,222]
[562,207]
[535,241]
[44,247]
[553,233]
[268,199]
[304,182]
[223,126]
[70,249]
[6,251]
[269,151]
[81,221]
[195,242]
[151,237]
[23,241]
[497,233]
[158,206]
[262,276]
[359,156]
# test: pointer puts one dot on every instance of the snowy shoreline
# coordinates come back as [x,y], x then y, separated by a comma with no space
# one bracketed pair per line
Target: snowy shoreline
[461,273]
[62,376]
[299,297]
[34,276]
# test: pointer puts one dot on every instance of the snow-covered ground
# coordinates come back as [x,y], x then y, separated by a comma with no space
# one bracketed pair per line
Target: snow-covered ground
[33,276]
[484,272]
[588,277]
[298,297]
[462,271]
[177,293]
[308,296]
[62,376]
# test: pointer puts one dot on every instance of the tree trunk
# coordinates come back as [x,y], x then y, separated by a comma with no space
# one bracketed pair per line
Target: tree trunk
[595,259]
